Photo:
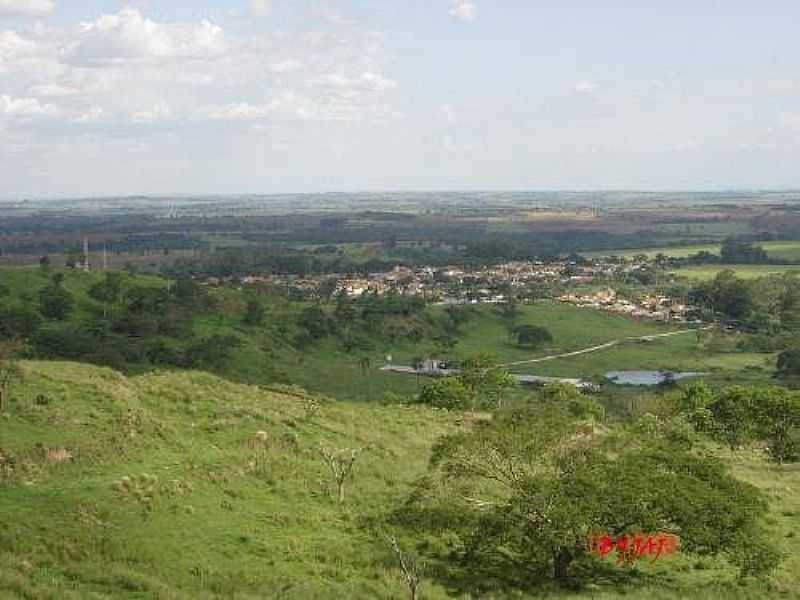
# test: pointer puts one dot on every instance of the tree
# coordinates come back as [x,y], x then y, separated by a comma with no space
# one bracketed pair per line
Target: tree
[411,568]
[254,313]
[789,363]
[213,352]
[187,292]
[577,403]
[532,336]
[777,416]
[559,392]
[18,321]
[732,416]
[365,364]
[44,265]
[10,373]
[341,464]
[743,253]
[54,301]
[521,494]
[73,259]
[485,380]
[63,341]
[455,317]
[314,320]
[344,314]
[510,315]
[693,403]
[447,392]
[109,290]
[726,294]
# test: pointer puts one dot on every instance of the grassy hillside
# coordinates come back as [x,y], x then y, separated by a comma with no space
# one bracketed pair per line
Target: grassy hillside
[232,512]
[183,485]
[269,354]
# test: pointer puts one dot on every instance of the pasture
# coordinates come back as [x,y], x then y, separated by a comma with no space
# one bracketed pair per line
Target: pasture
[184,485]
[784,250]
[706,272]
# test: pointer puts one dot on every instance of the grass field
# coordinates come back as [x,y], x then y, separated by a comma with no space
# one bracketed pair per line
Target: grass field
[707,272]
[789,251]
[325,368]
[577,328]
[225,513]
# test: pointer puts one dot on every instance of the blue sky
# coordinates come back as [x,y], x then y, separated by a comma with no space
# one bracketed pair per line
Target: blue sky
[236,96]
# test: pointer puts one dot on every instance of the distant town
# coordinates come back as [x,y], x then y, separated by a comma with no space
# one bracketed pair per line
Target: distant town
[524,281]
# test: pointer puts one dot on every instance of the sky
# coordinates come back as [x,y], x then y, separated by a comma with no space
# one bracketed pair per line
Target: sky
[101,97]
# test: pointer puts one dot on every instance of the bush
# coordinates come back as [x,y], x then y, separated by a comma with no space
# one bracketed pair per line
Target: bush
[449,393]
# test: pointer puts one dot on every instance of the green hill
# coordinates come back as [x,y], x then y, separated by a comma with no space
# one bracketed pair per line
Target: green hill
[155,323]
[184,485]
[240,497]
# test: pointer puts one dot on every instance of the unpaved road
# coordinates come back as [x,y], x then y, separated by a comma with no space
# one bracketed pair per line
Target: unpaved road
[605,346]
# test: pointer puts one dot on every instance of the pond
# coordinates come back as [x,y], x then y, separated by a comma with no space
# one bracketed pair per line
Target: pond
[646,377]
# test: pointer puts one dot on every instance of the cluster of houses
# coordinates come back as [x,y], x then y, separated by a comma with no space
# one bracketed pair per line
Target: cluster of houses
[490,284]
[458,284]
[660,308]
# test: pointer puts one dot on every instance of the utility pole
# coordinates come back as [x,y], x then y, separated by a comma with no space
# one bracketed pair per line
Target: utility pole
[105,258]
[86,254]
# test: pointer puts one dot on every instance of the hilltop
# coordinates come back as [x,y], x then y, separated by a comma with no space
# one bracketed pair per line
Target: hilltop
[232,494]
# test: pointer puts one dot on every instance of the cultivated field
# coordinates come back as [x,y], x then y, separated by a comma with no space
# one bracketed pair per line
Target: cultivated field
[707,272]
[789,251]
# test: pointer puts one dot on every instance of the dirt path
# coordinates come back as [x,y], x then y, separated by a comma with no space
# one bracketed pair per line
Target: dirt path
[605,346]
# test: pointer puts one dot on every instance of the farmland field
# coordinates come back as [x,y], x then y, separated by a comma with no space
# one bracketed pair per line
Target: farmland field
[706,272]
[788,250]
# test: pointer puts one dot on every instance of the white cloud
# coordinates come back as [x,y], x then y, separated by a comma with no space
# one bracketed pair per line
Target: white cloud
[367,81]
[790,121]
[26,8]
[260,8]
[158,112]
[128,36]
[94,114]
[686,146]
[332,16]
[285,66]
[377,82]
[784,86]
[453,147]
[54,90]
[25,107]
[130,79]
[463,11]
[585,87]
[240,111]
[287,106]
[12,46]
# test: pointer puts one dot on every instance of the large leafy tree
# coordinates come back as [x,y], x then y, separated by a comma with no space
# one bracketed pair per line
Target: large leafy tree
[726,294]
[532,336]
[518,496]
[739,414]
[777,417]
